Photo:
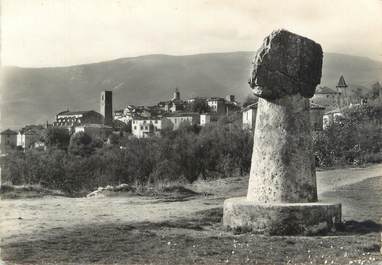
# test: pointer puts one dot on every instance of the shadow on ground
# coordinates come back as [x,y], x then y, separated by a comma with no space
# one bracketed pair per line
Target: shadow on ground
[197,240]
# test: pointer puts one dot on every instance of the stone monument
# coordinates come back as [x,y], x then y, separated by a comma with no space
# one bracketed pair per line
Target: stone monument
[282,191]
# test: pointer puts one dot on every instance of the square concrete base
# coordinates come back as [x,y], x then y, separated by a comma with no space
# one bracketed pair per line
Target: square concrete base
[243,215]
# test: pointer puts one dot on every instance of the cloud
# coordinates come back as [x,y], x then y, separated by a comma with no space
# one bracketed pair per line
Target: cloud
[64,32]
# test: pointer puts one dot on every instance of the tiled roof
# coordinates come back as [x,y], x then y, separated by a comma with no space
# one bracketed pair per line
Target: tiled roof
[182,114]
[8,132]
[251,106]
[215,99]
[66,112]
[341,82]
[325,90]
[316,106]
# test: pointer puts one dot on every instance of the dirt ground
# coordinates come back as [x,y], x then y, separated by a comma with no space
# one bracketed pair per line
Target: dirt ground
[187,230]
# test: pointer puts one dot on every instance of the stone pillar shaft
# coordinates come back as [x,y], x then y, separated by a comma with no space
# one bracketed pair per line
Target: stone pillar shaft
[282,168]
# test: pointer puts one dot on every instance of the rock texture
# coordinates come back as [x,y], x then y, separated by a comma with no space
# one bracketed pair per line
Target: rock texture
[282,168]
[286,71]
[281,218]
[282,191]
[286,64]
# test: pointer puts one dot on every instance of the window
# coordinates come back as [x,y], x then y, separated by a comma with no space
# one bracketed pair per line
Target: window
[146,127]
[135,127]
[141,127]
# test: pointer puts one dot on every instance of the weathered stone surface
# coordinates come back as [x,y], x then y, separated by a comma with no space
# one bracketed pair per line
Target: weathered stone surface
[286,64]
[282,191]
[243,215]
[282,168]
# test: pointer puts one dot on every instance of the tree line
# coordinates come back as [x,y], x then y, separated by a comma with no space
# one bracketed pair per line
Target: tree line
[80,162]
[221,149]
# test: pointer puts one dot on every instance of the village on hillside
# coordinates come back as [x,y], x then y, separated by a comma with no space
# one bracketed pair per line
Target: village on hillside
[326,107]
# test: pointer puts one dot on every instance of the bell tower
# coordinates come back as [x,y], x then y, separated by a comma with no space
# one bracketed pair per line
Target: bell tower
[107,107]
[342,88]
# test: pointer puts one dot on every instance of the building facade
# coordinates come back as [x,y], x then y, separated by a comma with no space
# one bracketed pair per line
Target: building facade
[106,107]
[217,105]
[96,131]
[68,119]
[326,97]
[176,119]
[249,116]
[142,127]
[29,136]
[316,116]
[8,140]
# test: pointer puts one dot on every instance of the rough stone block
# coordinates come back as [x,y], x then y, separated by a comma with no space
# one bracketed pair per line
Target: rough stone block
[244,215]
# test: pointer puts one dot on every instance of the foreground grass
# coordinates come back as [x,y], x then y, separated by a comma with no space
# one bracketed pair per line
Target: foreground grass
[198,240]
[187,229]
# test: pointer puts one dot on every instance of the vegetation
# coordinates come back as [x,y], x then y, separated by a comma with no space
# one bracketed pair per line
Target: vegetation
[83,163]
[220,149]
[356,140]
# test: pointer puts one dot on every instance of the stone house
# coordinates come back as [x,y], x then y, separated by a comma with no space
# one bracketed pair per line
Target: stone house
[249,116]
[207,118]
[333,116]
[8,140]
[217,105]
[96,131]
[326,97]
[125,115]
[316,116]
[69,119]
[29,136]
[143,127]
[178,118]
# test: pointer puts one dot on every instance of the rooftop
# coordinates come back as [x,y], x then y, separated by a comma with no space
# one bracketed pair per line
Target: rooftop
[341,82]
[67,112]
[325,90]
[8,132]
[251,106]
[316,106]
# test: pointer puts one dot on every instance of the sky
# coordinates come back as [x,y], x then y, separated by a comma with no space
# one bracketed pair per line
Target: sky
[43,33]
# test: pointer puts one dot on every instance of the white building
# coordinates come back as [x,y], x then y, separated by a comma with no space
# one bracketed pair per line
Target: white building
[142,127]
[333,116]
[249,116]
[217,105]
[28,138]
[99,131]
[326,97]
[177,119]
[205,119]
[8,140]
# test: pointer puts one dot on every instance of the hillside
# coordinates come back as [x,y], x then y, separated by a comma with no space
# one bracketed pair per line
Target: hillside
[35,95]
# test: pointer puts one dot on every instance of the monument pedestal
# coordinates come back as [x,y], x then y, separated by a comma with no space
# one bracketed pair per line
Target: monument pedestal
[243,215]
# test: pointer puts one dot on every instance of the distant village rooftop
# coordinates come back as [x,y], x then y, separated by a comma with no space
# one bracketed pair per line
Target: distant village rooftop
[325,90]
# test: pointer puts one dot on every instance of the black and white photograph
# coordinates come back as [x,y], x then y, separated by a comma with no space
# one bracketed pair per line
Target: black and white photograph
[166,132]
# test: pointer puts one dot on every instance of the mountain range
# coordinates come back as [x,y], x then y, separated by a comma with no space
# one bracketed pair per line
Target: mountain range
[36,95]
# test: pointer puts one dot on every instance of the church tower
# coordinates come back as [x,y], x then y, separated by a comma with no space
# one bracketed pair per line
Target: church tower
[342,88]
[107,107]
[176,95]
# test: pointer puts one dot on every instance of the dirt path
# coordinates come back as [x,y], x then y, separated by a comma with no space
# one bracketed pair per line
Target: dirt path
[52,217]
[330,180]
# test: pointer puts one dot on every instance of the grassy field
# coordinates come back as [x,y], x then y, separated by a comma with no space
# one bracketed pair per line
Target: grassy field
[187,229]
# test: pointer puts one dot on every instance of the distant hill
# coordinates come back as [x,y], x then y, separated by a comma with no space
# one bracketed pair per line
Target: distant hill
[35,95]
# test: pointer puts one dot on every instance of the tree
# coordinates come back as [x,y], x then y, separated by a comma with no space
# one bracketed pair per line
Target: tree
[57,137]
[81,144]
[199,105]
